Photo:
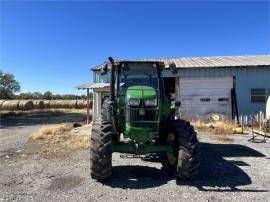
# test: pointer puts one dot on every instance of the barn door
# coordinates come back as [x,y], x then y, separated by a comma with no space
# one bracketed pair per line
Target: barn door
[202,96]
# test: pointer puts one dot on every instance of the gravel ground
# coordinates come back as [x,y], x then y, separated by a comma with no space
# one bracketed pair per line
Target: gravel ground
[237,171]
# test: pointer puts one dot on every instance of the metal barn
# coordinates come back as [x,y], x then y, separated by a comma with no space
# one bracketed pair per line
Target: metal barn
[228,85]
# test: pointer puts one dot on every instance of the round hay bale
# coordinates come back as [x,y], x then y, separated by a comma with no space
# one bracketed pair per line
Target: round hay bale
[38,104]
[1,103]
[55,104]
[80,104]
[25,105]
[10,105]
[85,104]
[63,104]
[71,104]
[74,104]
[46,104]
[66,104]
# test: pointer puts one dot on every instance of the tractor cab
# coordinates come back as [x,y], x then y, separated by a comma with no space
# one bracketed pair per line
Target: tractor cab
[139,96]
[138,74]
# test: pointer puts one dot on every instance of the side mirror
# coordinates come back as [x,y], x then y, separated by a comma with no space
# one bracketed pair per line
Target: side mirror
[172,66]
[177,103]
[104,69]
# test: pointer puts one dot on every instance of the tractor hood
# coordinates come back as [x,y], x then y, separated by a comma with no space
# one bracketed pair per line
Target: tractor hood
[141,92]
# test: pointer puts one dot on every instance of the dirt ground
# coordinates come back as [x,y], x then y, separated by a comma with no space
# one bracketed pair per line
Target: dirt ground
[234,170]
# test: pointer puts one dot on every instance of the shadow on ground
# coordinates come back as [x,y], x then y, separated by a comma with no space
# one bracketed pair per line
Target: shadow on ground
[216,173]
[137,177]
[40,118]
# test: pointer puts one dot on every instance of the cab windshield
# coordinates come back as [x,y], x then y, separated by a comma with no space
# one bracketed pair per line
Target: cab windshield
[139,75]
[138,80]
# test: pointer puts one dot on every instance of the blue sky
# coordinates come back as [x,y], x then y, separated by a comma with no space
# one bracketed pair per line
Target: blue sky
[52,45]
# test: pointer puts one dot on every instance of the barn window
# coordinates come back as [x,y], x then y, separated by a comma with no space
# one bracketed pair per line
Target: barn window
[205,99]
[258,95]
[223,99]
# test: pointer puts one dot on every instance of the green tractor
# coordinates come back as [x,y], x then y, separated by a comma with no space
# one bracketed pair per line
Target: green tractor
[139,119]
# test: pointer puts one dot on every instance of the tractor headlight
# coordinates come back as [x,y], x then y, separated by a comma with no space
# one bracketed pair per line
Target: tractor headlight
[150,102]
[133,102]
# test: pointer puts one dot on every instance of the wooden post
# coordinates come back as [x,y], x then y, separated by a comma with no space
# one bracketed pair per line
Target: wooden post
[87,120]
[177,96]
[177,89]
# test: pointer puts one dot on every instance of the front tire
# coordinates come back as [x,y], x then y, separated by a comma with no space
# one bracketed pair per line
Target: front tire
[183,162]
[100,150]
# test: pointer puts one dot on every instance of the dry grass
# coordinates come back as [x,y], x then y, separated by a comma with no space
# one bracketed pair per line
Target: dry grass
[72,110]
[4,113]
[223,127]
[56,140]
[221,131]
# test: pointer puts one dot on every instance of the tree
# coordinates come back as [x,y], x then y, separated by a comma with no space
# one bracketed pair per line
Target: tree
[57,97]
[37,95]
[25,96]
[47,95]
[8,85]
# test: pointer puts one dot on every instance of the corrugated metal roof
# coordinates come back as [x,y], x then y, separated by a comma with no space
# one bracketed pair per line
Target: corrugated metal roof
[218,61]
[93,85]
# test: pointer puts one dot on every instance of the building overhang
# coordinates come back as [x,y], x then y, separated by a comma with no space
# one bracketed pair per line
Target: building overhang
[99,87]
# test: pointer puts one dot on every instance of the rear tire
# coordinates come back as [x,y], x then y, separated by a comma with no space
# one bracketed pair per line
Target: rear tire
[184,161]
[100,150]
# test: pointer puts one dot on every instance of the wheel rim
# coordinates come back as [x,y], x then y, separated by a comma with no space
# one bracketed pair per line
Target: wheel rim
[171,156]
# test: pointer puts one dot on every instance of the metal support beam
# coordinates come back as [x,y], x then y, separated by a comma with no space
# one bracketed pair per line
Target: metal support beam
[88,106]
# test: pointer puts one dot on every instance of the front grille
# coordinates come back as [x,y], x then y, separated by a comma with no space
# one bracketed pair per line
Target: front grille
[143,124]
[149,115]
[136,119]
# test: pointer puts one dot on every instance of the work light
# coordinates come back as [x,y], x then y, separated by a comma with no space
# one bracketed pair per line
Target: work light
[133,102]
[150,102]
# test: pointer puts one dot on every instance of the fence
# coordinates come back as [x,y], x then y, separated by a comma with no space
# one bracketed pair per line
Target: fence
[257,118]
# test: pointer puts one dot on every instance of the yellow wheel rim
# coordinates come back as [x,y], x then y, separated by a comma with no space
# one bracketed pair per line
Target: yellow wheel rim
[170,138]
[170,155]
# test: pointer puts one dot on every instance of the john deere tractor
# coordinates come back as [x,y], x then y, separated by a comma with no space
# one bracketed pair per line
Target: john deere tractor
[139,119]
